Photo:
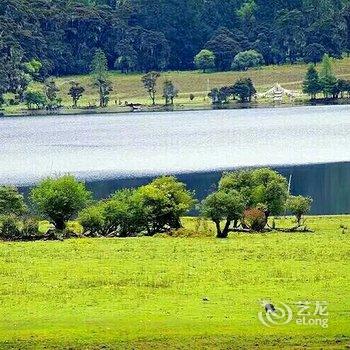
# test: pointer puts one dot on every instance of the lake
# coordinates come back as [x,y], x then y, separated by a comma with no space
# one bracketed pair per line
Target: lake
[110,151]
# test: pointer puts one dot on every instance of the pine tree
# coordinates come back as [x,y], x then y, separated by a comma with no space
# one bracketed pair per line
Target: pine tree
[327,78]
[311,84]
[99,68]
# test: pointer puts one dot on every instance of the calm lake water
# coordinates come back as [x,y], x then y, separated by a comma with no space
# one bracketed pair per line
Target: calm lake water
[106,149]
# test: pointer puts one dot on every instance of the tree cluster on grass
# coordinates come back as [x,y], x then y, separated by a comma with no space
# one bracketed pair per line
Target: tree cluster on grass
[325,81]
[150,209]
[247,198]
[49,99]
[244,200]
[243,89]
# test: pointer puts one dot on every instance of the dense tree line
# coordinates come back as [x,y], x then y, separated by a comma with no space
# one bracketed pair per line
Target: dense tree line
[142,35]
[244,201]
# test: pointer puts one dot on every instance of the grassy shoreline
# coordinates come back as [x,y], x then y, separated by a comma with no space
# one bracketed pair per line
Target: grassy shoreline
[175,293]
[176,108]
[128,88]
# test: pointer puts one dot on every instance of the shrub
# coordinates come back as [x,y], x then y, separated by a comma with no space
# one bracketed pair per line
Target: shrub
[10,227]
[258,187]
[244,89]
[247,59]
[35,98]
[11,201]
[299,206]
[92,219]
[73,229]
[163,202]
[255,219]
[120,215]
[60,199]
[30,228]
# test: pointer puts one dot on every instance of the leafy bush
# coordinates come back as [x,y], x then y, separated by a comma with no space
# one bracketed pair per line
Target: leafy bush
[11,201]
[163,202]
[299,206]
[10,227]
[30,228]
[35,98]
[255,219]
[258,187]
[247,59]
[204,60]
[244,89]
[120,215]
[60,199]
[92,219]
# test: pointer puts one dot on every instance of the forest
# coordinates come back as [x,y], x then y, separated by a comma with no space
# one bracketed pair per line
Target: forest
[139,35]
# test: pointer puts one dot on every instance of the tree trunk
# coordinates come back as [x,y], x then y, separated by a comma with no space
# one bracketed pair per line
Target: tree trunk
[60,224]
[298,219]
[218,229]
[226,229]
[101,97]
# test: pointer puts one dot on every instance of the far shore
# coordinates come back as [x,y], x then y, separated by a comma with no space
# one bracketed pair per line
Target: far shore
[160,108]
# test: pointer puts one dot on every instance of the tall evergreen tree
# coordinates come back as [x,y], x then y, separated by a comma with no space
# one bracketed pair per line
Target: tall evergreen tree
[327,78]
[311,84]
[99,69]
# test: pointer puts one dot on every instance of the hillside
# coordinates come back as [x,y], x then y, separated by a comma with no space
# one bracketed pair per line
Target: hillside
[165,34]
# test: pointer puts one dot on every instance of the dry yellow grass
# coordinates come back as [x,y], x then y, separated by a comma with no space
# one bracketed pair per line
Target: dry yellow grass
[129,87]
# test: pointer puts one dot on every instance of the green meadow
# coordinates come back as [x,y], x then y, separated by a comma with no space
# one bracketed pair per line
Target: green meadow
[191,291]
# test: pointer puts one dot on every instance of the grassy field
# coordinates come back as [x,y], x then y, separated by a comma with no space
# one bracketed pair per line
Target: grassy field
[129,87]
[175,293]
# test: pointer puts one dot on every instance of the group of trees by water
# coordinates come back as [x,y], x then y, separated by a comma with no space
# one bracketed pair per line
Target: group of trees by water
[243,89]
[47,97]
[139,35]
[325,82]
[244,201]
